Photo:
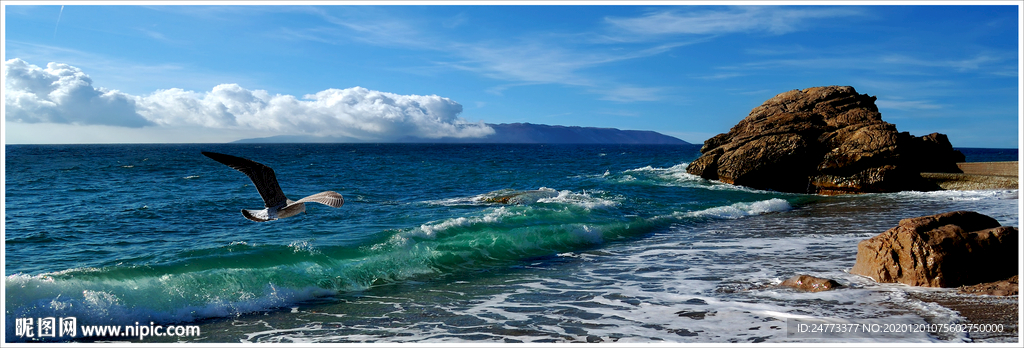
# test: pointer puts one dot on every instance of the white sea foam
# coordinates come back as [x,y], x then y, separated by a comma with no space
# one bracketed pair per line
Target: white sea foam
[739,210]
[163,299]
[696,281]
[430,230]
[1003,205]
[678,176]
[304,246]
[586,199]
[665,292]
[956,195]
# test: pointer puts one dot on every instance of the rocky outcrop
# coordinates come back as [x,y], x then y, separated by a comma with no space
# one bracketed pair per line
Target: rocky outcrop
[810,283]
[827,140]
[943,250]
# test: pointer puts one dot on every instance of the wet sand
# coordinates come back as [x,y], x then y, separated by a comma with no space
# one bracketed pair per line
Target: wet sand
[982,309]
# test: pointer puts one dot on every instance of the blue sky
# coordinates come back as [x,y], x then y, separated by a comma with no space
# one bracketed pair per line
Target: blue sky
[134,73]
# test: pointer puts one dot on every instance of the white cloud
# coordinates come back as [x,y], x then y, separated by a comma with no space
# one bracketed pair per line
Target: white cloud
[63,94]
[123,73]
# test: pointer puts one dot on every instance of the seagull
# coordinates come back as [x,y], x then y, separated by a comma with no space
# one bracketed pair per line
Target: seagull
[277,205]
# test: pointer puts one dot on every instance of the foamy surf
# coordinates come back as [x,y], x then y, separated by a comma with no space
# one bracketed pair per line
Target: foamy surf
[624,247]
[499,235]
[526,197]
[742,209]
[677,176]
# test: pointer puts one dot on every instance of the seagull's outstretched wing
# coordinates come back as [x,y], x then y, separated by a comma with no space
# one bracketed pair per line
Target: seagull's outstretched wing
[262,177]
[330,198]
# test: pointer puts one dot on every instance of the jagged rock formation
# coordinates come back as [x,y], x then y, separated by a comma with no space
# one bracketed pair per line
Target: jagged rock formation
[944,250]
[827,140]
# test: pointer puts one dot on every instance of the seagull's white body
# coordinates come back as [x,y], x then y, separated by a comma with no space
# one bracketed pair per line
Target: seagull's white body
[277,206]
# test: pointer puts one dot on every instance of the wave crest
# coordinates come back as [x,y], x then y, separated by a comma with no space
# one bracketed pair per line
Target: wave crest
[739,210]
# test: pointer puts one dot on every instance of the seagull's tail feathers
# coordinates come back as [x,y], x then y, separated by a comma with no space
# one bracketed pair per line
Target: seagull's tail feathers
[330,198]
[257,215]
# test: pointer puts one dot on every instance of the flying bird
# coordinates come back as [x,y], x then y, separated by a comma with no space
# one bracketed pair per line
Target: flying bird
[277,206]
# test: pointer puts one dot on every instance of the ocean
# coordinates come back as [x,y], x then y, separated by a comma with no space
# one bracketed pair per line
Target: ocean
[601,243]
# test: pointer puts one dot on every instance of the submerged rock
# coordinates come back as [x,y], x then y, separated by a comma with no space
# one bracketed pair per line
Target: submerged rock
[696,314]
[811,283]
[827,140]
[943,250]
[519,197]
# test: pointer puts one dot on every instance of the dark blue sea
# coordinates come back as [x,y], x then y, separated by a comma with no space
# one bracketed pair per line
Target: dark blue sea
[603,243]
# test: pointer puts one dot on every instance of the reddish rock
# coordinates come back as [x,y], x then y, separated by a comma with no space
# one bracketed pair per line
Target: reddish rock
[810,283]
[943,250]
[827,140]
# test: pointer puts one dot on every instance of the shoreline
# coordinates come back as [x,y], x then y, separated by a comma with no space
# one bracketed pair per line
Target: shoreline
[978,176]
[980,309]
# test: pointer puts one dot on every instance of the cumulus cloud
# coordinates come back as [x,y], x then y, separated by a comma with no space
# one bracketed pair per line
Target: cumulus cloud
[63,94]
[38,95]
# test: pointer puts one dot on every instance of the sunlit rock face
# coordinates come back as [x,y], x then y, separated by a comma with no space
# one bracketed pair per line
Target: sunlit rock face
[826,140]
[943,250]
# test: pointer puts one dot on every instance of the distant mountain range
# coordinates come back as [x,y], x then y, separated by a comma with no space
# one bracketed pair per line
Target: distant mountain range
[512,133]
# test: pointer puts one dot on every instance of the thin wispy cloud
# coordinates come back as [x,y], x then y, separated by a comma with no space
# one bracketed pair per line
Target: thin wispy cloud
[721,76]
[974,63]
[694,20]
[59,14]
[192,67]
[455,21]
[562,59]
[159,36]
[627,93]
[530,62]
[884,64]
[907,104]
[370,27]
[620,113]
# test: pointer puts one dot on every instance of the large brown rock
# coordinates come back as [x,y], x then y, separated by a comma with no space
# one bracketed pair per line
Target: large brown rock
[943,250]
[827,140]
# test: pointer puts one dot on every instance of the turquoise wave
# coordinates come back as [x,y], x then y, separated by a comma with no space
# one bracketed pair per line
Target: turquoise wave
[241,278]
